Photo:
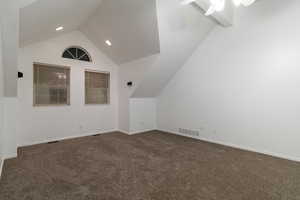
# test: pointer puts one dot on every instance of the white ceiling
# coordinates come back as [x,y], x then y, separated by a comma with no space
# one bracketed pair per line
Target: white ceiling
[181,30]
[39,18]
[131,26]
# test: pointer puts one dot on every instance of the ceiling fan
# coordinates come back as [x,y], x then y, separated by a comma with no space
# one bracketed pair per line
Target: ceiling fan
[219,5]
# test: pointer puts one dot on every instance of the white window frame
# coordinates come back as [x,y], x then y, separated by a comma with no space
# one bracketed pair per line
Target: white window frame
[108,93]
[34,86]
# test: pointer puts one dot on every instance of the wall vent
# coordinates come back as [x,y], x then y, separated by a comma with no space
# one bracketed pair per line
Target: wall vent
[189,132]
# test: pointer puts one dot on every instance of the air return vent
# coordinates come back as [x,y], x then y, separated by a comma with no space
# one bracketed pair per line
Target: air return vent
[189,132]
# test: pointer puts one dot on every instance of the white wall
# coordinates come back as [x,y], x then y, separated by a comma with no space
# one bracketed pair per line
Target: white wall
[181,29]
[39,124]
[241,86]
[9,13]
[134,72]
[1,103]
[9,127]
[9,22]
[142,115]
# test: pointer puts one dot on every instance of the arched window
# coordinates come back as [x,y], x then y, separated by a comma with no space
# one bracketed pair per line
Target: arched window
[77,53]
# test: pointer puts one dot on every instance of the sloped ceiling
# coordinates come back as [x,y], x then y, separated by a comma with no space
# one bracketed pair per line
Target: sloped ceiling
[40,18]
[181,30]
[131,26]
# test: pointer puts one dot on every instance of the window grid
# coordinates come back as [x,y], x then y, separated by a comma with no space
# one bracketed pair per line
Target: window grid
[77,53]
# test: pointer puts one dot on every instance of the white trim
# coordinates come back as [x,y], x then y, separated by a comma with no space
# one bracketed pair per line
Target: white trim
[108,89]
[79,136]
[96,71]
[1,166]
[122,131]
[277,155]
[78,47]
[10,156]
[52,65]
[136,132]
[142,131]
[67,138]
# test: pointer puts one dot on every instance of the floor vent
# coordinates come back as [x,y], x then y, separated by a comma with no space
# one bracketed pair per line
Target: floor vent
[189,132]
[53,142]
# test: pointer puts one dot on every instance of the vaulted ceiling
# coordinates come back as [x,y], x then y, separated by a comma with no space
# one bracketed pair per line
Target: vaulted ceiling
[181,30]
[137,29]
[39,19]
[131,25]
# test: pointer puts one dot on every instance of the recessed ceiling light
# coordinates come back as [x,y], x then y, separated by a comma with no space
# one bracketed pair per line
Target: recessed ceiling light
[108,42]
[59,28]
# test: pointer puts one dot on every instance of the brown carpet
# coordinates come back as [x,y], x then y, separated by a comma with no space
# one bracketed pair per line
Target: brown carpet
[150,166]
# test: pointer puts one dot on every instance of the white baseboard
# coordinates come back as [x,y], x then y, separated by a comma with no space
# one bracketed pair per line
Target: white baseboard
[77,136]
[122,131]
[141,131]
[136,132]
[1,166]
[277,155]
[67,138]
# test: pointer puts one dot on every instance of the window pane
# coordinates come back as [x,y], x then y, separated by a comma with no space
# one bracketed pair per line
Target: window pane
[67,54]
[80,53]
[85,58]
[73,52]
[51,85]
[77,53]
[96,88]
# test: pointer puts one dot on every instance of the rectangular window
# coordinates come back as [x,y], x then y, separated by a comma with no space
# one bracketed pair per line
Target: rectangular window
[97,87]
[51,85]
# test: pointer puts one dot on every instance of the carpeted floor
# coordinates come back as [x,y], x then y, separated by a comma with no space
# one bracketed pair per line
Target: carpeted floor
[149,166]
